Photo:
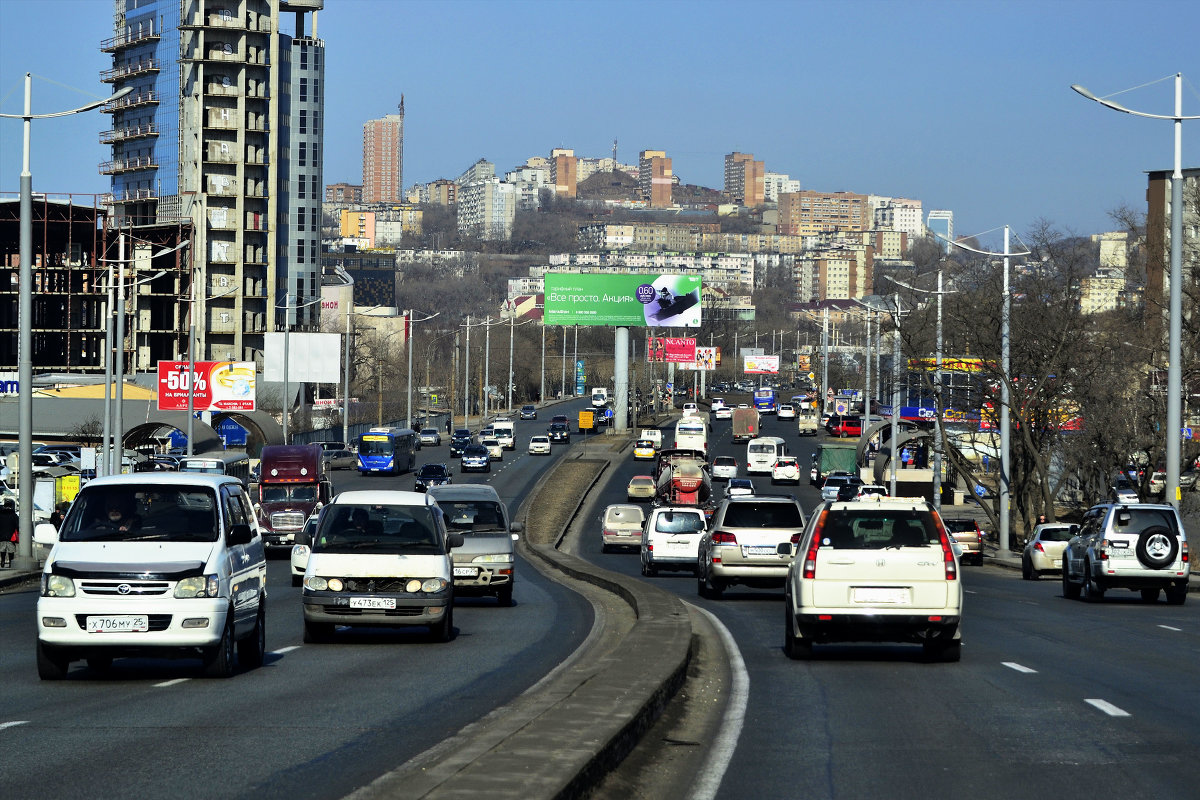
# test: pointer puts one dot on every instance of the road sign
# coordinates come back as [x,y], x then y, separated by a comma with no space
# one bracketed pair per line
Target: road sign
[812,376]
[608,413]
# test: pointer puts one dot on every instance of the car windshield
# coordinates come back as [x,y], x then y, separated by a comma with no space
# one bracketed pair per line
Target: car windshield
[462,433]
[475,450]
[140,513]
[429,432]
[299,493]
[432,471]
[353,528]
[763,515]
[1062,534]
[471,516]
[959,525]
[679,522]
[878,529]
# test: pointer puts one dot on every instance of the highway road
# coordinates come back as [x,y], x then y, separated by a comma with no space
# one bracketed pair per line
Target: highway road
[1054,697]
[317,721]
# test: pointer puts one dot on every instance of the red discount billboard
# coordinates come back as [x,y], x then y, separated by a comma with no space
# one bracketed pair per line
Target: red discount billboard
[219,386]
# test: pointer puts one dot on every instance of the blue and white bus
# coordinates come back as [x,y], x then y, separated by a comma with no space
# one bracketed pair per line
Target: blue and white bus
[230,463]
[387,451]
[766,401]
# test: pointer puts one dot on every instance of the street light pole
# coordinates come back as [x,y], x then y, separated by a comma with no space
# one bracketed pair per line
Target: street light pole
[1174,422]
[408,343]
[25,321]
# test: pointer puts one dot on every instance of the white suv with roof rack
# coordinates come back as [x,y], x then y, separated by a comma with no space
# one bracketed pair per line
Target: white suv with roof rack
[876,569]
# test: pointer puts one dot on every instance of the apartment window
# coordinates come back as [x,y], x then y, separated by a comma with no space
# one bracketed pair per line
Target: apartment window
[303,57]
[313,185]
[316,126]
[304,90]
[312,214]
[303,121]
[300,188]
[303,156]
[300,219]
[316,154]
[300,249]
[316,87]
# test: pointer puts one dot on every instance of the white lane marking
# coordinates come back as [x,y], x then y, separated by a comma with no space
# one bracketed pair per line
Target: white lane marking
[165,684]
[1019,667]
[969,591]
[713,771]
[1170,628]
[1107,707]
[13,724]
[283,650]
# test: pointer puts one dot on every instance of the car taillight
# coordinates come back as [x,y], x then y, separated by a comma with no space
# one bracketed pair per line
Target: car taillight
[722,537]
[1183,552]
[1102,550]
[810,558]
[947,550]
[1038,546]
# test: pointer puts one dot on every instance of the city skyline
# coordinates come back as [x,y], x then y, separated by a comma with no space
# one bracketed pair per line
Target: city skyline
[902,100]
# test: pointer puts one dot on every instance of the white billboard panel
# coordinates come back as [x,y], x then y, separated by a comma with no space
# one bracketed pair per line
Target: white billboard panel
[313,357]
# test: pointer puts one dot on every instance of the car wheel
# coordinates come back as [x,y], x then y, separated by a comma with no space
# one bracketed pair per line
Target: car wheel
[1091,591]
[649,570]
[218,660]
[100,664]
[1149,595]
[716,588]
[51,663]
[1157,547]
[701,583]
[1026,569]
[794,647]
[505,596]
[1070,590]
[317,632]
[1177,595]
[252,651]
[443,631]
[943,650]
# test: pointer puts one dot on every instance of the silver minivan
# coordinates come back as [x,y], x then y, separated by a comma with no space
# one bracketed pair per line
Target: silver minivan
[485,561]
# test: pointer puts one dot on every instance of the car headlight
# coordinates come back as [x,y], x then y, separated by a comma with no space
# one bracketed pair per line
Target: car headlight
[316,583]
[57,586]
[299,550]
[432,585]
[198,586]
[492,558]
[335,584]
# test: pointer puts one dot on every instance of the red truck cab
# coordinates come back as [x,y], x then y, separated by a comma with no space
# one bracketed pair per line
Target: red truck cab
[292,485]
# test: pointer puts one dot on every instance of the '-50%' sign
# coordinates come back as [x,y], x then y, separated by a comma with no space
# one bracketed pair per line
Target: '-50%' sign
[218,386]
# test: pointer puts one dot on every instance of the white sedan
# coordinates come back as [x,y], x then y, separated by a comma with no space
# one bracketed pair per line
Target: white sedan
[724,412]
[1044,550]
[786,412]
[539,445]
[494,448]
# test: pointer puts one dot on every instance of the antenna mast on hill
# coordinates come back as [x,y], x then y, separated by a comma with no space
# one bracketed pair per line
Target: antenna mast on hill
[614,155]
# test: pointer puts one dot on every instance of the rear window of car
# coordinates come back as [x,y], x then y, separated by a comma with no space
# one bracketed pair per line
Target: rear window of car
[623,515]
[1139,520]
[959,525]
[762,515]
[1055,534]
[678,522]
[872,529]
[724,461]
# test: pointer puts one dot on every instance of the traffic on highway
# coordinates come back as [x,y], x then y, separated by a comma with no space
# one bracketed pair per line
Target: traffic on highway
[847,647]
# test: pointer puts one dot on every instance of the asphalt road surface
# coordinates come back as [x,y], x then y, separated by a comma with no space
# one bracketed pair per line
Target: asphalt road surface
[317,721]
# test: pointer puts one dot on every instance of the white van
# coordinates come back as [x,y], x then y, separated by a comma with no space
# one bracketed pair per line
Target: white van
[691,433]
[504,431]
[154,564]
[671,539]
[397,547]
[761,453]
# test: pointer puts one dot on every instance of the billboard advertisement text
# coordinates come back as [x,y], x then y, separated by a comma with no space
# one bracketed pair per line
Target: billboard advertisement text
[219,386]
[760,365]
[671,349]
[622,299]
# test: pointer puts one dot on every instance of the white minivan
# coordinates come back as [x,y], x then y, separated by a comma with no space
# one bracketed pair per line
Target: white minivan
[763,452]
[505,432]
[671,538]
[153,564]
[380,559]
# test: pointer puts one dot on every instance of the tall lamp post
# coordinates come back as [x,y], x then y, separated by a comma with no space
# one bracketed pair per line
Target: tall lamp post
[1174,425]
[25,320]
[408,344]
[1005,430]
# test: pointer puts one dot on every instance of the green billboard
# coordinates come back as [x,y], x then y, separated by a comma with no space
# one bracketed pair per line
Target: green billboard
[666,301]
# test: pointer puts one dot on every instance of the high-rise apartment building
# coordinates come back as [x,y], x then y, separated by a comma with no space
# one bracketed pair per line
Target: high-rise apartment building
[775,184]
[655,178]
[897,214]
[941,223]
[1158,246]
[564,172]
[807,213]
[744,179]
[487,209]
[222,130]
[383,158]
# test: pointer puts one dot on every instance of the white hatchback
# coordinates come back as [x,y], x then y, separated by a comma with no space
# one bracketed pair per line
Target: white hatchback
[786,470]
[786,412]
[539,445]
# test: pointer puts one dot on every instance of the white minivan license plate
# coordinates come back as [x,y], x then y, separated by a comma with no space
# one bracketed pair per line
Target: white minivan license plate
[466,572]
[129,623]
[372,602]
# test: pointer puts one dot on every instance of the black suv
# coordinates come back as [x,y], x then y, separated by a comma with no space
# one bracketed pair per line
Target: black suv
[431,474]
[528,412]
[560,432]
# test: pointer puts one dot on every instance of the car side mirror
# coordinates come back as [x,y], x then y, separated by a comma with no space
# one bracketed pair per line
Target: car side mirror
[1074,530]
[239,534]
[45,533]
[455,540]
[517,527]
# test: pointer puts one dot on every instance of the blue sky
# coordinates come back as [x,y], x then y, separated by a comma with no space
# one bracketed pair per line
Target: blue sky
[962,105]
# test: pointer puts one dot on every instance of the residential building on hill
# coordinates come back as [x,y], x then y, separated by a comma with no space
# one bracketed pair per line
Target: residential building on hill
[744,180]
[563,172]
[655,178]
[775,184]
[487,209]
[383,158]
[807,212]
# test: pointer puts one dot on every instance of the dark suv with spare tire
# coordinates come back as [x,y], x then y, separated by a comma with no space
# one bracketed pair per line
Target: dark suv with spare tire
[1136,546]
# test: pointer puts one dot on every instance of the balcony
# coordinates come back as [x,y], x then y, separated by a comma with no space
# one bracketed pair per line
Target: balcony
[143,67]
[135,164]
[128,39]
[146,98]
[129,134]
[132,196]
